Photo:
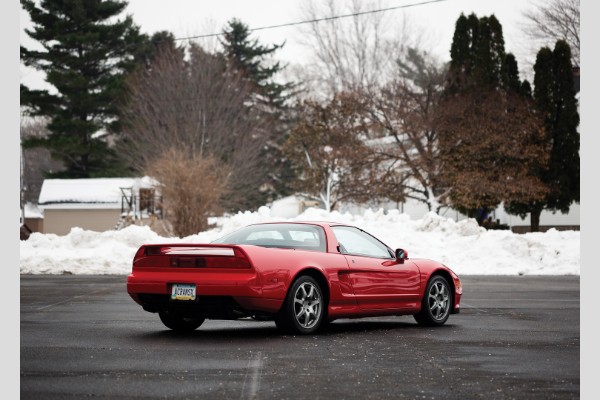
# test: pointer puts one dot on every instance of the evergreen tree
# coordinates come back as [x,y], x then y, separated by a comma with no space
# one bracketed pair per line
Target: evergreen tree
[486,114]
[477,54]
[489,54]
[460,51]
[251,59]
[564,166]
[512,81]
[554,95]
[254,61]
[162,40]
[86,53]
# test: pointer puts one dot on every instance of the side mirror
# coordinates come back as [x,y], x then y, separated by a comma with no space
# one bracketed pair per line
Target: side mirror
[401,255]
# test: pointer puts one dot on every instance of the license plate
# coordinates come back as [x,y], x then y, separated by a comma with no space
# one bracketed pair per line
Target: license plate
[181,291]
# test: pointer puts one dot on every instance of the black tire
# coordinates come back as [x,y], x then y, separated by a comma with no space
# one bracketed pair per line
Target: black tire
[281,321]
[179,323]
[304,308]
[436,303]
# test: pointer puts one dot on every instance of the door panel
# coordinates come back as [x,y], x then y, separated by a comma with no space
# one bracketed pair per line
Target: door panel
[378,279]
[384,283]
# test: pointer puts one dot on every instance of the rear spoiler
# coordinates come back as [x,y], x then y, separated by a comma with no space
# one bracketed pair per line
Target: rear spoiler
[192,255]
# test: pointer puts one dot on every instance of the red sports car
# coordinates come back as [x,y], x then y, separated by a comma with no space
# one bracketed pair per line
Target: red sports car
[299,274]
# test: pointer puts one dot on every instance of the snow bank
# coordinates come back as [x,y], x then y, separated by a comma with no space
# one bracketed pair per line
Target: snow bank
[463,246]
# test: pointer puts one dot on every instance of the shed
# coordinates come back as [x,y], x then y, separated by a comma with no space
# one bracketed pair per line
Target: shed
[96,204]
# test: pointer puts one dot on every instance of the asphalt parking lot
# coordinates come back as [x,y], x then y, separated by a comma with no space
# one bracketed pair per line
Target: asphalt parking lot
[517,337]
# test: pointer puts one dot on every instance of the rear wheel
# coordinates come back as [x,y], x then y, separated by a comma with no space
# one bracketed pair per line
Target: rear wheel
[303,310]
[436,303]
[178,322]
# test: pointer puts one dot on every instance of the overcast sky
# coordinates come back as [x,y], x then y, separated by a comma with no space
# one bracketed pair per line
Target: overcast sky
[186,18]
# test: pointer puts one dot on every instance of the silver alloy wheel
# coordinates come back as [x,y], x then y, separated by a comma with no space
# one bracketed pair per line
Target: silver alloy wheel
[307,305]
[439,300]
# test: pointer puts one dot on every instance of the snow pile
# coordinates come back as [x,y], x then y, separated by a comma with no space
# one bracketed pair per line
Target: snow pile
[463,246]
[92,190]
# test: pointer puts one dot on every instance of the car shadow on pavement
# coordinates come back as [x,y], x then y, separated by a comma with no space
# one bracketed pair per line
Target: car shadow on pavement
[253,330]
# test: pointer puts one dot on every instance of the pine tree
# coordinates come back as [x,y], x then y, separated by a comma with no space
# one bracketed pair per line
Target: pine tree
[554,95]
[86,53]
[254,61]
[250,58]
[161,40]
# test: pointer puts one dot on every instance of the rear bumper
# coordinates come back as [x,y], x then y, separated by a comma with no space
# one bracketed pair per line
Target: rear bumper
[226,292]
[208,282]
[213,307]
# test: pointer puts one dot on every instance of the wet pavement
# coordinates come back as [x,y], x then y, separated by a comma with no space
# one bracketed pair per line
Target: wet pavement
[517,337]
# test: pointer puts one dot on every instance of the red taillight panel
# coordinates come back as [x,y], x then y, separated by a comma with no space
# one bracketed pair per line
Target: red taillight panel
[191,257]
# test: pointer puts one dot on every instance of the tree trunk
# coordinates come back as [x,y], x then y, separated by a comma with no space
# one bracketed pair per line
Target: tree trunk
[535,219]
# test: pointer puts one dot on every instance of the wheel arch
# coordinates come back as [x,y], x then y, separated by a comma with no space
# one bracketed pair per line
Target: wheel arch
[448,277]
[319,276]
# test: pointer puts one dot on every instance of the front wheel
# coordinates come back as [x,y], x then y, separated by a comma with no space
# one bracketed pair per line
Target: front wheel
[436,303]
[179,323]
[303,309]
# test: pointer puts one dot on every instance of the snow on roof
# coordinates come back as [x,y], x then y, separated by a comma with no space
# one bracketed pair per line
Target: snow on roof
[89,191]
[32,211]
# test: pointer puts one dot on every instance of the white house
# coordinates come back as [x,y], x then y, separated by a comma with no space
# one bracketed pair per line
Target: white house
[416,210]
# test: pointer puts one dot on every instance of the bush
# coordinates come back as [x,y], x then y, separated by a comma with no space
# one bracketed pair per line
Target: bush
[191,189]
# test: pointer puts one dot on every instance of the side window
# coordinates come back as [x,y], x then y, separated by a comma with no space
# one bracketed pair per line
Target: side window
[354,241]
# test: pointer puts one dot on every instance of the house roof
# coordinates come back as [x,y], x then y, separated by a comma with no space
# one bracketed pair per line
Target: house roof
[93,192]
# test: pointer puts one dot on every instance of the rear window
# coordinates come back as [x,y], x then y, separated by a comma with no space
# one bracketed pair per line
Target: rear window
[284,236]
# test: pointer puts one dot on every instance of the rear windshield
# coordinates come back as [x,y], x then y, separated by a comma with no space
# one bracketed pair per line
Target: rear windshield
[284,236]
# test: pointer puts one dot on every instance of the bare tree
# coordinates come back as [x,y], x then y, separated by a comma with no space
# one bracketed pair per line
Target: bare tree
[552,20]
[188,204]
[327,146]
[194,105]
[35,162]
[404,113]
[356,52]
